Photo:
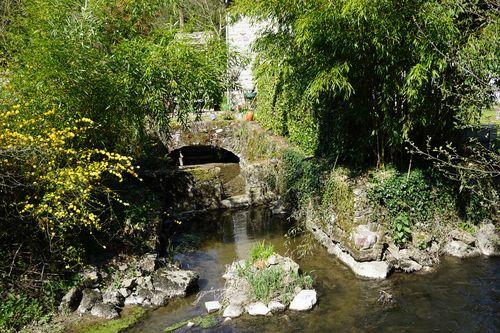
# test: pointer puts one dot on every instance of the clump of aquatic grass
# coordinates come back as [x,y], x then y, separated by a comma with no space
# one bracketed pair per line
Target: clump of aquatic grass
[273,283]
[261,251]
[203,321]
[265,284]
[270,282]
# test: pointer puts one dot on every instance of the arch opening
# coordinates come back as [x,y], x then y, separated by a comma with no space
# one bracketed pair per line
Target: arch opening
[199,155]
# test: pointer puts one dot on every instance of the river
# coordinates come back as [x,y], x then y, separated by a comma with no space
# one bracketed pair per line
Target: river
[459,296]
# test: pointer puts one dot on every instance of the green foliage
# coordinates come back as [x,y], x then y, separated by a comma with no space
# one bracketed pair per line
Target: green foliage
[410,198]
[261,251]
[401,229]
[204,321]
[81,81]
[355,79]
[116,63]
[475,171]
[17,311]
[338,197]
[264,283]
[256,144]
[273,283]
[115,325]
[300,176]
[467,227]
[21,308]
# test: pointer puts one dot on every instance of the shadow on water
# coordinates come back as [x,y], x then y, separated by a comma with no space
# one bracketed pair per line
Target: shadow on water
[460,296]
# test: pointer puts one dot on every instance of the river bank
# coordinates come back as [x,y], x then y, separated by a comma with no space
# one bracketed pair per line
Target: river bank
[460,296]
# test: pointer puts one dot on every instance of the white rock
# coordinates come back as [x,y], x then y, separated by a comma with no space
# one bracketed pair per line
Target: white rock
[104,310]
[257,309]
[275,306]
[113,297]
[125,292]
[212,306]
[368,269]
[409,266]
[304,300]
[128,283]
[488,240]
[232,311]
[364,238]
[135,300]
[190,324]
[459,249]
[272,260]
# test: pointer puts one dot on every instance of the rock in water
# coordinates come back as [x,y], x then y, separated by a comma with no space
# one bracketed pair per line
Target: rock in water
[104,310]
[275,306]
[174,282]
[212,306]
[159,298]
[232,311]
[304,300]
[459,249]
[488,241]
[257,309]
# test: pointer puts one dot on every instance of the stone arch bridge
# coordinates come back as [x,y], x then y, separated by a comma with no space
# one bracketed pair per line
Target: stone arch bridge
[224,164]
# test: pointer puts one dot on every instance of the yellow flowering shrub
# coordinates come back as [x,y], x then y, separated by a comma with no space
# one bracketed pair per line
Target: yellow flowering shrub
[54,180]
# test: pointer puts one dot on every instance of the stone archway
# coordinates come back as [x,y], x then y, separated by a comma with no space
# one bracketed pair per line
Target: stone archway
[244,183]
[213,171]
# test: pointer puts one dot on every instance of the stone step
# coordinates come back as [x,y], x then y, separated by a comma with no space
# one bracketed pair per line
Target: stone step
[236,201]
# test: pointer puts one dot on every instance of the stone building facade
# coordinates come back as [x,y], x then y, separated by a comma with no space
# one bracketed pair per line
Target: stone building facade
[240,36]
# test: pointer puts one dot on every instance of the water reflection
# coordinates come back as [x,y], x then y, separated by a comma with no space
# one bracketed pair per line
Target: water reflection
[461,296]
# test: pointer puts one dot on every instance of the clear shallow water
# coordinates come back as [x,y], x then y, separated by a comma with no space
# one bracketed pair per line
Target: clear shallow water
[460,296]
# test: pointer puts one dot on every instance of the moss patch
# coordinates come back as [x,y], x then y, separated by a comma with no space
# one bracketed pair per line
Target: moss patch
[203,321]
[128,318]
[203,174]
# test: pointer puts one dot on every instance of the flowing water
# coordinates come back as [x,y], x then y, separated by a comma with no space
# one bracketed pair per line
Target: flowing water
[460,296]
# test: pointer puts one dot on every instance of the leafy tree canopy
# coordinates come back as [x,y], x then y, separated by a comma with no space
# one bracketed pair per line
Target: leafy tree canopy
[356,78]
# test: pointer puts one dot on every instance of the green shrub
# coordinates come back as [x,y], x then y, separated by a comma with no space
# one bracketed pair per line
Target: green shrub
[17,311]
[261,251]
[20,308]
[300,177]
[273,283]
[356,78]
[338,197]
[401,229]
[409,198]
[116,63]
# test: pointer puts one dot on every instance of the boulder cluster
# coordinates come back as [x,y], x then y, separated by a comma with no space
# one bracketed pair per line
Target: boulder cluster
[238,298]
[144,281]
